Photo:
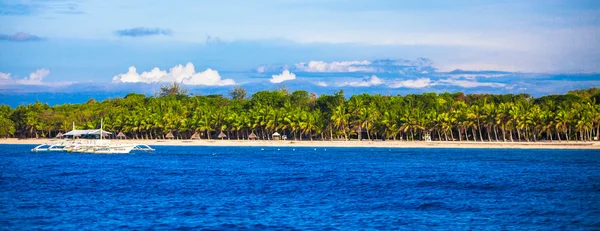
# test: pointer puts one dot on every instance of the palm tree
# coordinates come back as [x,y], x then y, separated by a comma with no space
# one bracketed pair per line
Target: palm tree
[596,120]
[310,123]
[357,112]
[370,115]
[503,118]
[489,117]
[390,122]
[563,117]
[547,123]
[446,122]
[340,119]
[475,114]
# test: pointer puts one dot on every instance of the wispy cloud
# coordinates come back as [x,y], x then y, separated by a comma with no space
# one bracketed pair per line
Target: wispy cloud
[365,82]
[181,74]
[68,8]
[20,37]
[284,76]
[411,83]
[321,84]
[418,66]
[35,78]
[143,32]
[213,39]
[476,74]
[41,6]
[388,73]
[15,9]
[4,76]
[343,66]
[470,83]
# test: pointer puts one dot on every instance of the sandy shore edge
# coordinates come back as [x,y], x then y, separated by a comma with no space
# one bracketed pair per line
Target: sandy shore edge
[353,144]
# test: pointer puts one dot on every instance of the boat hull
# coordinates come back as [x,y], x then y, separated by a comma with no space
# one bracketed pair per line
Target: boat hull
[112,150]
[93,147]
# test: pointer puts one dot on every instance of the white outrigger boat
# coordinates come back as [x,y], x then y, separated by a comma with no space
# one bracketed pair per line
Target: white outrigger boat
[96,146]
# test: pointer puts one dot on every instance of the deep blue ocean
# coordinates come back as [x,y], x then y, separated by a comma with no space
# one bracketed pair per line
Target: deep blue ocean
[248,188]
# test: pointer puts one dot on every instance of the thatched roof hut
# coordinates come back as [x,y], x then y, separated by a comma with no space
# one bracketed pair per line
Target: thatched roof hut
[221,135]
[195,136]
[170,135]
[252,136]
[276,136]
[121,135]
[59,135]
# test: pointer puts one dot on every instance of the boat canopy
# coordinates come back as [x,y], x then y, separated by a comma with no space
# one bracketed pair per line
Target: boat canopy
[86,132]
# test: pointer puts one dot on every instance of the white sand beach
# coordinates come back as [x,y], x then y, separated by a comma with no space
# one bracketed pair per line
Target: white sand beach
[342,144]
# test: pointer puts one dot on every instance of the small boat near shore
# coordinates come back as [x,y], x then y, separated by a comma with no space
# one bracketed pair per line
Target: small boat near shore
[89,141]
[90,146]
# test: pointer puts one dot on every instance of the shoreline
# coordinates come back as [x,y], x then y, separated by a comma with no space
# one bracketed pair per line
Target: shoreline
[342,144]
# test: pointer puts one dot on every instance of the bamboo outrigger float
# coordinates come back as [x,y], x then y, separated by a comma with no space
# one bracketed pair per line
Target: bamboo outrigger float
[97,146]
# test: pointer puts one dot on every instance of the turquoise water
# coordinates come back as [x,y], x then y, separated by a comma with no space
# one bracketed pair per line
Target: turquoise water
[224,188]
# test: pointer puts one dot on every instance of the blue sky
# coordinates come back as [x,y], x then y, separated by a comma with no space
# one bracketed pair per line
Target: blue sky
[379,46]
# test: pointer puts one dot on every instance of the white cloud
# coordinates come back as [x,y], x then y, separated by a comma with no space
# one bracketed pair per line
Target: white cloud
[412,83]
[35,78]
[208,77]
[418,66]
[343,66]
[321,84]
[475,76]
[367,82]
[4,76]
[146,77]
[284,76]
[470,84]
[181,74]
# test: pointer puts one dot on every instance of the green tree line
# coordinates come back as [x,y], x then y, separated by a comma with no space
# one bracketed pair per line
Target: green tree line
[303,116]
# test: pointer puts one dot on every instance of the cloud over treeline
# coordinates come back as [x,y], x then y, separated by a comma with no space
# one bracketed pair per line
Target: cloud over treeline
[179,73]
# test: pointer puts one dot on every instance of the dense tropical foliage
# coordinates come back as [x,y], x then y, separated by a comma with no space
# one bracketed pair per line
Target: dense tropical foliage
[304,116]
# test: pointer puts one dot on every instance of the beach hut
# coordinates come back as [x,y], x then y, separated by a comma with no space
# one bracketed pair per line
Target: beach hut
[276,136]
[427,136]
[221,135]
[195,136]
[121,135]
[252,136]
[170,135]
[59,135]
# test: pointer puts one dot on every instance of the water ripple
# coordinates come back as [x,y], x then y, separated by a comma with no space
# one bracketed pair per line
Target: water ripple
[189,188]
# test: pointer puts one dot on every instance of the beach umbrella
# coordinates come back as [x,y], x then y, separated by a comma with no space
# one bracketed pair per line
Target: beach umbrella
[170,135]
[195,136]
[59,135]
[221,135]
[252,136]
[121,135]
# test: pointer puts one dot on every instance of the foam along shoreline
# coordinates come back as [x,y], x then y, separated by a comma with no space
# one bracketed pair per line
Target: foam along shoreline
[341,144]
